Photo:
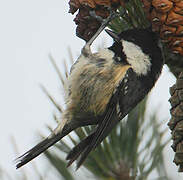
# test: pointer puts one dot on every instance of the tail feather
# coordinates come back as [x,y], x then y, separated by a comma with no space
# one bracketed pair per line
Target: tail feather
[82,150]
[100,133]
[35,151]
[58,134]
[42,146]
[84,155]
[78,149]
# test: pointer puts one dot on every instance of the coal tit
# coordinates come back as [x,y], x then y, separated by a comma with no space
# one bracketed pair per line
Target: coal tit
[103,88]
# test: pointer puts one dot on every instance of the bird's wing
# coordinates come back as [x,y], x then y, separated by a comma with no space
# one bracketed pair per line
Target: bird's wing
[101,132]
[110,118]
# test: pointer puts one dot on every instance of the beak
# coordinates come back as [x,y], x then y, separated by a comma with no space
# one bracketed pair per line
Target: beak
[113,35]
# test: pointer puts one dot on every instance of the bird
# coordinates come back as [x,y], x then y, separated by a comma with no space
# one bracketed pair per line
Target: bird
[103,87]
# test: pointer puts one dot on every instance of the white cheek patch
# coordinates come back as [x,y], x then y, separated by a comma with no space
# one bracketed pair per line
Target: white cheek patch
[139,61]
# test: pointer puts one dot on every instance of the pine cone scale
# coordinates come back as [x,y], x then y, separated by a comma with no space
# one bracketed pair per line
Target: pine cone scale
[180,84]
[174,19]
[180,94]
[179,7]
[162,6]
[174,100]
[179,30]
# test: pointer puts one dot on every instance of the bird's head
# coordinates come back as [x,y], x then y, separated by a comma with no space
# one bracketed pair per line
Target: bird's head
[138,47]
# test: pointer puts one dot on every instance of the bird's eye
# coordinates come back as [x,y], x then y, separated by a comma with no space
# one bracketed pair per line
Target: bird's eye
[132,39]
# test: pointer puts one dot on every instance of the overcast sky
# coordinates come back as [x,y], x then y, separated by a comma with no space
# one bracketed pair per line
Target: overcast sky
[29,31]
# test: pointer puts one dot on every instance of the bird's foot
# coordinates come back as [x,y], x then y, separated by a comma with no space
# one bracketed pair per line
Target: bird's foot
[86,51]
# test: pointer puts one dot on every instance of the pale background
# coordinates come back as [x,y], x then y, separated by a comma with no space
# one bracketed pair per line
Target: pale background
[29,31]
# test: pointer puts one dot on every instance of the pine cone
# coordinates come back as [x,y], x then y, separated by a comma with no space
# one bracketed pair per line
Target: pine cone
[176,122]
[166,17]
[87,25]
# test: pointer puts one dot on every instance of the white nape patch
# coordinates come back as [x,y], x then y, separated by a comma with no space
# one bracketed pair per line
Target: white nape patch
[139,61]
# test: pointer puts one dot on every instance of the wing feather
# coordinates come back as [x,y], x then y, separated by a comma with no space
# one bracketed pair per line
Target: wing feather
[110,119]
